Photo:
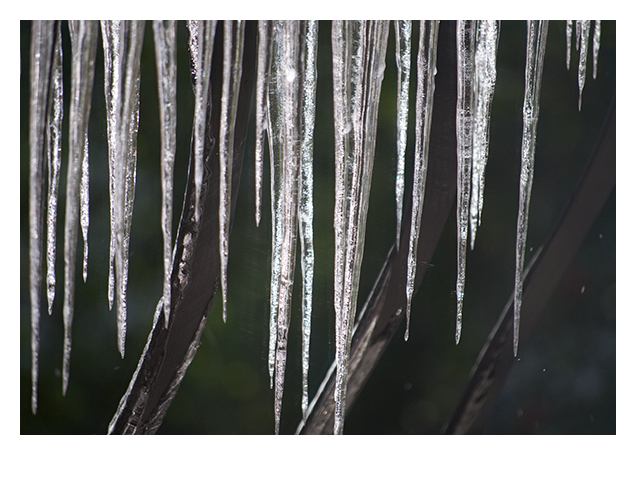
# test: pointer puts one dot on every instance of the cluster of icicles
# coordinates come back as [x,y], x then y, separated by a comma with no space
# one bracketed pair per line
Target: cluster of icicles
[285,108]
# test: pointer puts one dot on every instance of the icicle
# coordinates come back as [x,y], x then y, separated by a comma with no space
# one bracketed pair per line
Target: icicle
[466,32]
[485,77]
[535,51]
[568,42]
[84,206]
[128,149]
[306,205]
[112,92]
[426,63]
[166,58]
[54,153]
[232,66]
[83,45]
[359,50]
[274,111]
[596,47]
[284,130]
[291,113]
[122,54]
[403,62]
[42,39]
[585,33]
[264,60]
[201,45]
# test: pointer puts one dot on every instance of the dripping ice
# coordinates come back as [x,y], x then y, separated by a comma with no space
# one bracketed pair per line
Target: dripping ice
[291,111]
[535,51]
[403,63]
[582,29]
[359,51]
[233,34]
[83,46]
[201,43]
[465,112]
[42,41]
[124,97]
[306,203]
[426,63]
[122,54]
[262,74]
[166,60]
[484,78]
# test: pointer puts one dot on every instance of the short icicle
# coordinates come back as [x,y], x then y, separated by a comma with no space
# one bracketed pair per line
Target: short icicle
[166,60]
[201,44]
[596,46]
[403,61]
[83,45]
[426,64]
[359,60]
[485,77]
[466,33]
[42,40]
[232,66]
[262,75]
[585,34]
[568,42]
[535,52]
[84,207]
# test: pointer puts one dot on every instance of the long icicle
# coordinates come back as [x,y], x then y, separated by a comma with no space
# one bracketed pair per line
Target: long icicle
[274,118]
[284,136]
[83,45]
[122,42]
[426,64]
[126,166]
[111,40]
[403,62]
[166,59]
[54,156]
[232,65]
[535,52]
[42,39]
[262,75]
[465,103]
[359,51]
[306,203]
[485,77]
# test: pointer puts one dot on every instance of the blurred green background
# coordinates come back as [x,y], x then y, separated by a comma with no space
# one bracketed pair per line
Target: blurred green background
[564,382]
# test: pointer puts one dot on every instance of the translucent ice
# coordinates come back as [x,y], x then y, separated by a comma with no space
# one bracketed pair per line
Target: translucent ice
[403,61]
[359,51]
[426,61]
[535,52]
[466,33]
[83,45]
[166,60]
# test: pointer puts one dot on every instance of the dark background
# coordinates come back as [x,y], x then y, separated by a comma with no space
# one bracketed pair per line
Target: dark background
[564,381]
